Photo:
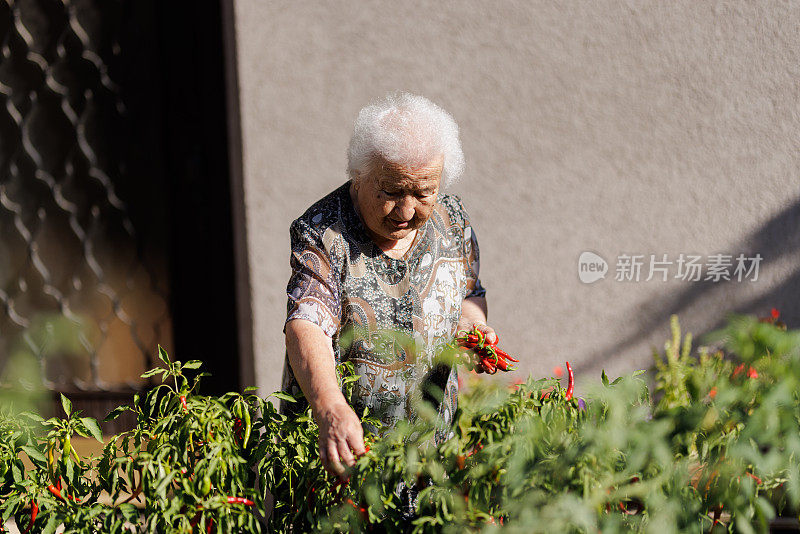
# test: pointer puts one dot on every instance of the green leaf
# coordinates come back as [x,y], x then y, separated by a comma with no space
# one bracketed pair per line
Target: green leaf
[94,429]
[116,412]
[162,485]
[283,396]
[151,372]
[192,364]
[51,525]
[69,468]
[66,404]
[33,416]
[33,453]
[604,378]
[17,473]
[162,355]
[10,506]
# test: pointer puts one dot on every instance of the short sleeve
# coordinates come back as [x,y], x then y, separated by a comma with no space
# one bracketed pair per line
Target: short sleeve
[313,289]
[473,259]
[459,220]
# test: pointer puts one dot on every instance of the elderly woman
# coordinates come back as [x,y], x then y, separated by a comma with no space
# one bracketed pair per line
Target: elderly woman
[386,251]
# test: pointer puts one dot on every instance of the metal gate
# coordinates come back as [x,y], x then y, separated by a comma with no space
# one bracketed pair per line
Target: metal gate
[87,197]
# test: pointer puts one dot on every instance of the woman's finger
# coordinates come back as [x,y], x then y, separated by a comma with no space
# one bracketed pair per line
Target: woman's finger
[334,465]
[344,453]
[356,443]
[488,331]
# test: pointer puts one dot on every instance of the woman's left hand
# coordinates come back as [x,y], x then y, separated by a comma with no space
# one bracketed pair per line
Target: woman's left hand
[491,337]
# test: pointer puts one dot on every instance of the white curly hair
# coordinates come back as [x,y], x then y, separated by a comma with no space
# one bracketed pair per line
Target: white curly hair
[406,129]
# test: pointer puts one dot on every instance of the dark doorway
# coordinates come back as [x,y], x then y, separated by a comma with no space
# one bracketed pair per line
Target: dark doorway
[196,142]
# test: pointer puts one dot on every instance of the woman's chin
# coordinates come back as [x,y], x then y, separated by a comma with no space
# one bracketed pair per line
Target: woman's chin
[398,234]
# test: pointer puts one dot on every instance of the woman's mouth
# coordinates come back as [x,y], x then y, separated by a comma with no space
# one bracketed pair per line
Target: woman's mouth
[399,224]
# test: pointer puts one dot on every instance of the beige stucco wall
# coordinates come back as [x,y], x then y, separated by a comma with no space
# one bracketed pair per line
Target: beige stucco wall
[616,127]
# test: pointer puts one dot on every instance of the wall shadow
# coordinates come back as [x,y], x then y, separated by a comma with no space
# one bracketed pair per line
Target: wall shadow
[778,238]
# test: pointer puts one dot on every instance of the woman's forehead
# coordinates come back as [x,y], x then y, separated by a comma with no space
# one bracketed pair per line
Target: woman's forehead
[427,173]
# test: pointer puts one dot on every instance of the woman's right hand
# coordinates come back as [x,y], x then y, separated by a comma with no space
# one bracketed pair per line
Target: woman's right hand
[340,435]
[311,357]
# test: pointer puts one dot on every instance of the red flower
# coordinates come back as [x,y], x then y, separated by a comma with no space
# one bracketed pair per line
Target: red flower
[775,313]
[752,373]
[712,393]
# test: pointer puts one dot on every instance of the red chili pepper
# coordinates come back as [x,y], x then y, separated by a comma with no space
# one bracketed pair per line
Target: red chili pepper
[751,373]
[240,500]
[34,513]
[717,513]
[480,335]
[505,355]
[361,509]
[55,491]
[571,384]
[478,447]
[183,403]
[751,475]
[485,356]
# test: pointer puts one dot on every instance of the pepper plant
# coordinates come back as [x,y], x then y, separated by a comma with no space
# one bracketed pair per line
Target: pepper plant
[709,442]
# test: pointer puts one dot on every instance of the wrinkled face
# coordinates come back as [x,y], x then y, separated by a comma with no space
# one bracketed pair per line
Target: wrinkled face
[395,200]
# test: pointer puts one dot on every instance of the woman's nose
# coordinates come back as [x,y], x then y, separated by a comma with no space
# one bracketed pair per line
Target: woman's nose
[405,208]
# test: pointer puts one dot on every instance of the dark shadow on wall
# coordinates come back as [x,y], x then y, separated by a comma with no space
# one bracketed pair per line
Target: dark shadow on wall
[778,238]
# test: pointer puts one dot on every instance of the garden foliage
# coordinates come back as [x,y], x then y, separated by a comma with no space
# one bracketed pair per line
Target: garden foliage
[716,440]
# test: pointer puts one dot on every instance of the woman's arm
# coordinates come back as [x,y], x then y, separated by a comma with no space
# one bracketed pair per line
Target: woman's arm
[311,357]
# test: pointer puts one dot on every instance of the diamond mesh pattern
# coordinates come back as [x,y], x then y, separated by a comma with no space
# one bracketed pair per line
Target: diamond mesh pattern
[79,290]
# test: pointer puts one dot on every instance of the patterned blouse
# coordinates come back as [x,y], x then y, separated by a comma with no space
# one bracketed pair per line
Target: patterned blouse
[387,316]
